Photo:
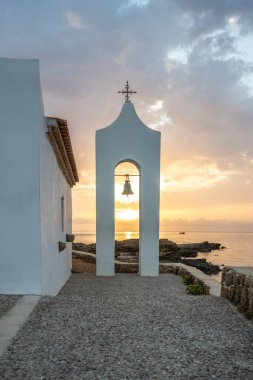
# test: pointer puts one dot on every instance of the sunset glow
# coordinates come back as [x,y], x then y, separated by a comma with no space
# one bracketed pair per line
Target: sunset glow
[126,214]
[126,207]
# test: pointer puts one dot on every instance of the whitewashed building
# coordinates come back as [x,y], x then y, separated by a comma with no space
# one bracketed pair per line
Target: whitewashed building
[37,171]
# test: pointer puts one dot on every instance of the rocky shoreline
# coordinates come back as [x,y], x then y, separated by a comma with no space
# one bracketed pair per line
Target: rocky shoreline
[128,251]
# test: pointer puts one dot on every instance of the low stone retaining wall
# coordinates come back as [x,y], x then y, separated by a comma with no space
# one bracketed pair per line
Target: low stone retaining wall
[180,271]
[122,267]
[237,287]
[85,256]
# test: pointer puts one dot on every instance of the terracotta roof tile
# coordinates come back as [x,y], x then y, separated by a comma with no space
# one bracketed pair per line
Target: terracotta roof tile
[58,134]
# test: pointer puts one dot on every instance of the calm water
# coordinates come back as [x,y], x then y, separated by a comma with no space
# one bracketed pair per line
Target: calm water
[239,251]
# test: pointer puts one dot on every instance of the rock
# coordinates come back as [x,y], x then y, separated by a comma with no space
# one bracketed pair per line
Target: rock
[223,276]
[238,278]
[132,245]
[84,247]
[224,292]
[168,245]
[61,246]
[80,247]
[192,249]
[166,268]
[237,296]
[128,259]
[250,295]
[243,305]
[70,238]
[128,251]
[128,245]
[249,282]
[237,287]
[209,246]
[169,256]
[92,247]
[187,251]
[229,277]
[203,265]
[231,293]
[126,254]
[126,268]
[181,271]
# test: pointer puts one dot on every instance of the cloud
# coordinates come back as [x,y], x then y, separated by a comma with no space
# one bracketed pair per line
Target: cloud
[139,3]
[192,175]
[134,3]
[232,20]
[159,116]
[178,55]
[157,106]
[74,21]
[216,225]
[161,121]
[83,220]
[86,184]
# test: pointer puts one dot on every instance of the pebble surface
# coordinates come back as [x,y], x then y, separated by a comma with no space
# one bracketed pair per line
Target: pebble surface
[6,302]
[130,327]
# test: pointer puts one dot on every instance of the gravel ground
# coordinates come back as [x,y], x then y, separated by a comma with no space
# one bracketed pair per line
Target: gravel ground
[6,302]
[130,327]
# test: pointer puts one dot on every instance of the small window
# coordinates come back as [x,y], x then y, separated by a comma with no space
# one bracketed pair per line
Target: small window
[62,214]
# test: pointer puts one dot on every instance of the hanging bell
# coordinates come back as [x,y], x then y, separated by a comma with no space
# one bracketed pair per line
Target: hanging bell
[127,187]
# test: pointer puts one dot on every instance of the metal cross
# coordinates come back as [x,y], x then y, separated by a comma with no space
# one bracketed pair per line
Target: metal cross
[127,92]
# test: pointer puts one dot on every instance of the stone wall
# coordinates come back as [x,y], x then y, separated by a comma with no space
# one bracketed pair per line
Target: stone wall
[237,287]
[181,271]
[85,256]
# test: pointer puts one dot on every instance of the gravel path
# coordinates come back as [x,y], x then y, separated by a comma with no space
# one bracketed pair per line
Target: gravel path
[6,302]
[130,327]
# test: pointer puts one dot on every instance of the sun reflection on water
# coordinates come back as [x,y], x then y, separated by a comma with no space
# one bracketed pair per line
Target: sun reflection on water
[128,235]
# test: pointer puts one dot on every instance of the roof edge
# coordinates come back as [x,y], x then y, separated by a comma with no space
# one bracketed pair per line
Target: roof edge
[59,137]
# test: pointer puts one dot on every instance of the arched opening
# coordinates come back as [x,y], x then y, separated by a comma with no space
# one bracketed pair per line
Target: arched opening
[127,210]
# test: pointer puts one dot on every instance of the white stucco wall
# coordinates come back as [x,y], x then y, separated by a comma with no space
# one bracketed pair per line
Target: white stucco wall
[31,186]
[21,118]
[56,266]
[128,139]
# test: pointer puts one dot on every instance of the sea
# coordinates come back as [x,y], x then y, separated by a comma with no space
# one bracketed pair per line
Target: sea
[238,249]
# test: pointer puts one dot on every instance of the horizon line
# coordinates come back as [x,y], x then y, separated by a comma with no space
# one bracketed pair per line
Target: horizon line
[136,232]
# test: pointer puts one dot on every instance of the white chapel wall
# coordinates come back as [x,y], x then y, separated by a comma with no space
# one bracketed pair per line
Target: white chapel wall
[56,266]
[31,186]
[21,113]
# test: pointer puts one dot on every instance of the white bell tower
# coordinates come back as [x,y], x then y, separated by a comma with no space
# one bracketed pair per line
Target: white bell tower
[127,139]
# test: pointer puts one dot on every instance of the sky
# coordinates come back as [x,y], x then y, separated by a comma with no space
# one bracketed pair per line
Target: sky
[191,62]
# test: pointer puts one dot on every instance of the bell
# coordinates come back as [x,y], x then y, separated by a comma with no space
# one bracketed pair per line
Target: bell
[127,187]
